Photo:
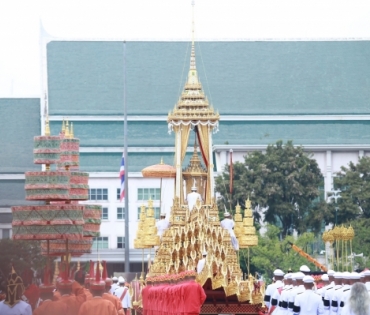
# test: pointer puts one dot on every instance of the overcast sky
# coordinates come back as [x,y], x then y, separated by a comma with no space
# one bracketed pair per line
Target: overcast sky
[163,19]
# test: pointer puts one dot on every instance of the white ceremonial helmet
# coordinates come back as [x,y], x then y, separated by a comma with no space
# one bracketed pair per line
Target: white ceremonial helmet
[121,280]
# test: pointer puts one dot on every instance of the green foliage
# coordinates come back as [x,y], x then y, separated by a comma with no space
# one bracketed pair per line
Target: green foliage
[361,241]
[271,253]
[284,180]
[21,254]
[354,183]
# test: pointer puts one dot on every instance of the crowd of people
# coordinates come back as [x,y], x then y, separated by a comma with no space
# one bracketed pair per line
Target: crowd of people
[87,294]
[296,293]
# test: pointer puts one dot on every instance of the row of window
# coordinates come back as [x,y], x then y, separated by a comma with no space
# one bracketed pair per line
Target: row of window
[120,213]
[142,194]
[103,242]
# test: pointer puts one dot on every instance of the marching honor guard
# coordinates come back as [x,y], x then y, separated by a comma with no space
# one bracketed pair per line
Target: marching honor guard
[330,294]
[13,304]
[115,285]
[308,302]
[279,275]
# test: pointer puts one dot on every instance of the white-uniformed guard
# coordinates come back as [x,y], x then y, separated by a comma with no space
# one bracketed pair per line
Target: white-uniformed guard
[337,296]
[278,275]
[325,282]
[298,288]
[304,269]
[280,297]
[201,262]
[122,293]
[115,285]
[308,302]
[228,224]
[330,293]
[162,225]
[353,278]
[13,304]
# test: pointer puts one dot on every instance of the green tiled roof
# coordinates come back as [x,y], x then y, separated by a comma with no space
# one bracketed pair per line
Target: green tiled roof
[301,132]
[110,133]
[20,122]
[265,77]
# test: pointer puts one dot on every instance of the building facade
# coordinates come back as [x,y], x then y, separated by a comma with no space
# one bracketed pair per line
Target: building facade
[315,93]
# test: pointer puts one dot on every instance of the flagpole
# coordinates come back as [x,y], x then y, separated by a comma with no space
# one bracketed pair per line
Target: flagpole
[127,247]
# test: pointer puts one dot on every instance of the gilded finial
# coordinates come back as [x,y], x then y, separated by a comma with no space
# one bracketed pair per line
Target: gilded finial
[47,127]
[161,161]
[66,132]
[71,135]
[63,126]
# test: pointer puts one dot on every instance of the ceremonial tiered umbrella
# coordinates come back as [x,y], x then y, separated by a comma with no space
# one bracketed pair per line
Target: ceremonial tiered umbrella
[64,226]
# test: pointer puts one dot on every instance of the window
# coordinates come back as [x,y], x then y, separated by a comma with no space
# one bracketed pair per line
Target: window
[100,242]
[120,242]
[148,193]
[157,212]
[120,213]
[118,193]
[98,194]
[104,214]
[6,233]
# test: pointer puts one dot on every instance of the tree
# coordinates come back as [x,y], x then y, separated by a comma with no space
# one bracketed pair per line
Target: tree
[271,253]
[284,181]
[354,185]
[22,255]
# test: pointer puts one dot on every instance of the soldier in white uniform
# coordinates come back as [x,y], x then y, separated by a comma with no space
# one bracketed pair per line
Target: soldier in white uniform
[353,278]
[337,296]
[308,302]
[228,224]
[114,285]
[280,297]
[278,275]
[298,288]
[13,305]
[325,281]
[192,198]
[330,293]
[201,262]
[162,224]
[123,294]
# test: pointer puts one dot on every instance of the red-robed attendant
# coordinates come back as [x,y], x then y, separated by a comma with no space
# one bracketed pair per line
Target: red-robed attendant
[64,286]
[46,305]
[108,295]
[97,305]
[192,295]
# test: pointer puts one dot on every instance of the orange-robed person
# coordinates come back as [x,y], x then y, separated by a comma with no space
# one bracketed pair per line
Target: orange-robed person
[47,306]
[97,305]
[192,295]
[108,295]
[72,301]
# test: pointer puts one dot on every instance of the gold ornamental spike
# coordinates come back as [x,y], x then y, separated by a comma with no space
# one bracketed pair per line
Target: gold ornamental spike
[71,133]
[47,127]
[66,133]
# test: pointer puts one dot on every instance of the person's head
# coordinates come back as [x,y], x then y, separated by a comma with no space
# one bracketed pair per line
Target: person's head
[359,300]
[194,189]
[308,282]
[204,254]
[278,274]
[115,280]
[15,289]
[46,294]
[331,275]
[298,276]
[288,278]
[355,277]
[163,216]
[80,276]
[346,277]
[227,215]
[108,284]
[121,281]
[304,269]
[338,278]
[325,279]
